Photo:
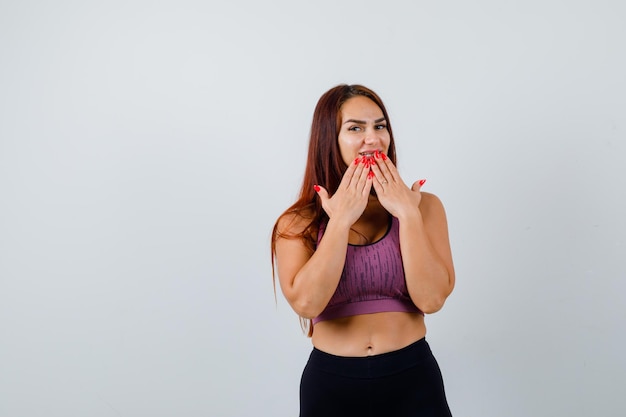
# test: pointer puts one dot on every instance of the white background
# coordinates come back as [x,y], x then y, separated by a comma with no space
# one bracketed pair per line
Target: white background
[146,149]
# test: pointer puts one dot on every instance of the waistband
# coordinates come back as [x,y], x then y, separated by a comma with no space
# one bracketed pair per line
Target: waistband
[374,366]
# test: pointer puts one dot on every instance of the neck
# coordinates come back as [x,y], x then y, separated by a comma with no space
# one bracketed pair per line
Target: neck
[374,207]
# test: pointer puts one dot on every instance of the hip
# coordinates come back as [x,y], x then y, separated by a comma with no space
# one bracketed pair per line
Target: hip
[403,383]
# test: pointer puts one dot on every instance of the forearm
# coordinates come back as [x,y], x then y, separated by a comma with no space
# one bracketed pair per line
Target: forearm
[428,277]
[315,284]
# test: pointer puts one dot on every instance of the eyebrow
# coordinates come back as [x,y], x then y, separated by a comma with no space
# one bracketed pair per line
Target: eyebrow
[362,122]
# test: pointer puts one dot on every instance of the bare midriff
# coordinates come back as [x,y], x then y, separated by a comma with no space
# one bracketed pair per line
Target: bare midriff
[368,334]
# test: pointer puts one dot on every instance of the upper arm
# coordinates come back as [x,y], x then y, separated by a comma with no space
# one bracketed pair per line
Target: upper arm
[436,226]
[292,253]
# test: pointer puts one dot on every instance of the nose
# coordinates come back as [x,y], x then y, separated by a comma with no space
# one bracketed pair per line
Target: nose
[372,136]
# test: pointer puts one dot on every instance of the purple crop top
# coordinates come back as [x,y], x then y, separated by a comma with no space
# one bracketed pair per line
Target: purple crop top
[372,280]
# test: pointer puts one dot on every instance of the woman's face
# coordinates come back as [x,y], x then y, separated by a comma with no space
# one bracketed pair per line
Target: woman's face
[363,129]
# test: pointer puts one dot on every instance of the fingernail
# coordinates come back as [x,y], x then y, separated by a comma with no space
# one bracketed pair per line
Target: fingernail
[356,161]
[316,188]
[370,175]
[422,182]
[384,156]
[377,155]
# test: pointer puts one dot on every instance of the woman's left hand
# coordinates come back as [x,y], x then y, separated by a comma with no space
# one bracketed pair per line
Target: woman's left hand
[394,195]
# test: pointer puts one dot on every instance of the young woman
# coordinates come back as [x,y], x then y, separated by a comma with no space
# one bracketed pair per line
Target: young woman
[361,257]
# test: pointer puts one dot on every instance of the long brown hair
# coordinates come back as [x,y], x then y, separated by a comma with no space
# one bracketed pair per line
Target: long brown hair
[324,166]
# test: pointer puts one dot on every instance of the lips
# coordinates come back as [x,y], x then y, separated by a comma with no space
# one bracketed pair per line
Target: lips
[369,158]
[370,154]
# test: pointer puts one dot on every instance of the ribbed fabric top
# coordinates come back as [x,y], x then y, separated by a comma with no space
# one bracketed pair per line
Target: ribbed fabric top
[372,280]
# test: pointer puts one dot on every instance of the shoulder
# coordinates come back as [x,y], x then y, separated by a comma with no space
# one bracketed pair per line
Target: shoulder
[430,202]
[432,209]
[295,223]
[295,235]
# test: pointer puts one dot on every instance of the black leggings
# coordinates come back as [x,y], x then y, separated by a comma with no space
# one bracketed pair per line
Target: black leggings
[403,383]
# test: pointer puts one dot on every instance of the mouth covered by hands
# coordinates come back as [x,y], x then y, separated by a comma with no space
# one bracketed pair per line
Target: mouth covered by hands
[367,171]
[394,195]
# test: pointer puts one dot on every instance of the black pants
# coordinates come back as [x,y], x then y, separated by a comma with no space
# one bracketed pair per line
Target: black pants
[403,383]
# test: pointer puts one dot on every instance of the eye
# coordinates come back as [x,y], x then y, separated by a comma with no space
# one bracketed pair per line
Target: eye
[354,128]
[381,127]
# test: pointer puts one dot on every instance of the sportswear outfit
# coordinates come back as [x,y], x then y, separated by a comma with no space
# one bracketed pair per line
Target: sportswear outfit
[403,383]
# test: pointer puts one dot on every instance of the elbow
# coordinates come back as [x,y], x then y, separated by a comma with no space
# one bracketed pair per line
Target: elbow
[303,304]
[434,301]
[431,305]
[306,308]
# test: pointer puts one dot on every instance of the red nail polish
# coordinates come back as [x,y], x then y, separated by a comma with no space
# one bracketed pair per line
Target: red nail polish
[384,156]
[370,175]
[422,182]
[316,188]
[356,161]
[377,154]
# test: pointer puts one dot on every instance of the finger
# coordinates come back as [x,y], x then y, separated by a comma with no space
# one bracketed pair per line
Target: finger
[387,168]
[322,193]
[369,181]
[379,176]
[363,177]
[378,186]
[417,185]
[360,173]
[349,174]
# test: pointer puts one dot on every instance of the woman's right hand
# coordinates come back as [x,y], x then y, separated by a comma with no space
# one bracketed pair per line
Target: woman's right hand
[350,199]
[309,280]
